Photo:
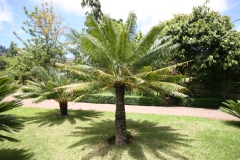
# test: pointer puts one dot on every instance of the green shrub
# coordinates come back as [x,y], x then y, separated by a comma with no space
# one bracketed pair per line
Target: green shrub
[129,100]
[201,102]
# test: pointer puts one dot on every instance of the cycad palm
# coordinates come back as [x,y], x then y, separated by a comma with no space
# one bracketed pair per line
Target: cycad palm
[8,123]
[116,61]
[43,88]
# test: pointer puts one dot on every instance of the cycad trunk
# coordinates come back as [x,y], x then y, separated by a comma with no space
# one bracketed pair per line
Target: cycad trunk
[63,109]
[120,118]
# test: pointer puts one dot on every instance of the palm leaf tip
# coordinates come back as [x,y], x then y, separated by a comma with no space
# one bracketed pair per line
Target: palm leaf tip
[231,107]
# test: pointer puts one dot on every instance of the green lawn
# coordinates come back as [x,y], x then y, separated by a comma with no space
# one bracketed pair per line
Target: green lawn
[84,135]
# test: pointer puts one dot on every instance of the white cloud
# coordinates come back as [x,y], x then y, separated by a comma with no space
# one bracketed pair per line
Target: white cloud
[5,13]
[149,12]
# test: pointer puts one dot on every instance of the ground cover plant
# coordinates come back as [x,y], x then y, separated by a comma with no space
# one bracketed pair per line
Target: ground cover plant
[87,135]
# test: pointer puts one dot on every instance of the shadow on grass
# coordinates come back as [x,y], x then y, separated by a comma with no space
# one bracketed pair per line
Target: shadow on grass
[19,154]
[232,123]
[52,117]
[149,139]
[9,123]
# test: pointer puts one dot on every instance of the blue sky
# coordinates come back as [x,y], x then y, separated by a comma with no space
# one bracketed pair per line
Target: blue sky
[149,13]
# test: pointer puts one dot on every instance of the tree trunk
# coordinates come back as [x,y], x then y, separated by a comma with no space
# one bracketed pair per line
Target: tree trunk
[63,109]
[120,118]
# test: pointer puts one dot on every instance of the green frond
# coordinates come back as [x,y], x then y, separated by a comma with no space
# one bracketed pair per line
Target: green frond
[231,107]
[171,89]
[157,74]
[7,87]
[8,123]
[146,42]
[131,25]
[82,70]
[95,29]
[8,105]
[160,51]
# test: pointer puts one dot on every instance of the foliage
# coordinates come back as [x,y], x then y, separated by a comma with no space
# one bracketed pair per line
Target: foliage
[95,5]
[8,123]
[3,63]
[116,62]
[44,47]
[129,100]
[43,87]
[201,102]
[12,50]
[231,107]
[207,38]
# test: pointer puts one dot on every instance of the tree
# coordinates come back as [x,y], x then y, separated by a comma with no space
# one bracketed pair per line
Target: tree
[43,88]
[44,48]
[116,62]
[12,50]
[8,123]
[95,5]
[207,38]
[3,50]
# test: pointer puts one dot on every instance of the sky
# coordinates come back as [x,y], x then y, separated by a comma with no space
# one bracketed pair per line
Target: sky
[149,13]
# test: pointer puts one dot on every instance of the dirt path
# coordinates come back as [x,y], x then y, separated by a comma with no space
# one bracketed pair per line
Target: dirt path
[186,111]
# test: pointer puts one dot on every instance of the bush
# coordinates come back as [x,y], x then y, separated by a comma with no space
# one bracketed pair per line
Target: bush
[129,100]
[201,102]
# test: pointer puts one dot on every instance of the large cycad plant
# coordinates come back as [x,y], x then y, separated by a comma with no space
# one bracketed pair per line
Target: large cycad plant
[43,88]
[115,60]
[8,123]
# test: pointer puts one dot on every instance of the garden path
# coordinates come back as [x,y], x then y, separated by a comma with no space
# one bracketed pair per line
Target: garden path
[173,110]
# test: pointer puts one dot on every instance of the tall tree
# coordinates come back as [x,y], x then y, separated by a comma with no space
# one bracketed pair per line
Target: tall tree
[8,123]
[95,6]
[3,50]
[116,62]
[12,50]
[207,38]
[44,47]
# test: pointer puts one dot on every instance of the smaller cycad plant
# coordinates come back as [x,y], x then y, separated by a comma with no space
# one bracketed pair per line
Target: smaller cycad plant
[231,107]
[44,88]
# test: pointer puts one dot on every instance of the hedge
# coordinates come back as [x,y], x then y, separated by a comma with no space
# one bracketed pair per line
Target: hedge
[201,102]
[129,100]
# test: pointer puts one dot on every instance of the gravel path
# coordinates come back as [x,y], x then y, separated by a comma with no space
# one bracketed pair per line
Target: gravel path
[186,111]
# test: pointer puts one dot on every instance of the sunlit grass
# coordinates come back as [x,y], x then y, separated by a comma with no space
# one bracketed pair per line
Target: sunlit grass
[84,135]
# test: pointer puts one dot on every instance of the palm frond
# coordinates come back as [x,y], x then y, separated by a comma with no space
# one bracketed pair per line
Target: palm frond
[171,89]
[231,107]
[131,25]
[146,42]
[160,51]
[8,123]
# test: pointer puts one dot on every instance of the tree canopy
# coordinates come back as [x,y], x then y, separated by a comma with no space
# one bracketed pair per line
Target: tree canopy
[44,48]
[207,38]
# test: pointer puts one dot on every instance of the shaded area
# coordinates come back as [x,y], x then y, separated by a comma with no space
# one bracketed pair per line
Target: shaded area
[10,124]
[52,117]
[160,142]
[232,123]
[18,154]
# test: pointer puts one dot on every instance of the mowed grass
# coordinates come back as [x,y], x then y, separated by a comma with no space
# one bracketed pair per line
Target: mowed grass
[85,135]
